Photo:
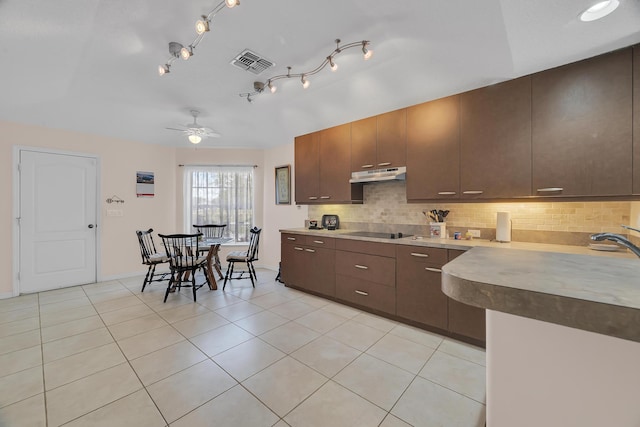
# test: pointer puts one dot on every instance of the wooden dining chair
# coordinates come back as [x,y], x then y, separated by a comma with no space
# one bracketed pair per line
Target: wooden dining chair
[151,257]
[247,257]
[182,250]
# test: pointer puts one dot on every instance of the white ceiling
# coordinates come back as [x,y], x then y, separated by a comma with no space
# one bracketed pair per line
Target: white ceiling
[91,65]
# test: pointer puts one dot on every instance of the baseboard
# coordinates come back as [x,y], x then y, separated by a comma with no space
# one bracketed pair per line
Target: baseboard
[6,295]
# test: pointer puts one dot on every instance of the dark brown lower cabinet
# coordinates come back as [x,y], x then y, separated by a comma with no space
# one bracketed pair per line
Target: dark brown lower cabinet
[305,264]
[419,296]
[464,319]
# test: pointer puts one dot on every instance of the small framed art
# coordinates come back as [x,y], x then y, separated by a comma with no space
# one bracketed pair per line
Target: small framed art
[283,185]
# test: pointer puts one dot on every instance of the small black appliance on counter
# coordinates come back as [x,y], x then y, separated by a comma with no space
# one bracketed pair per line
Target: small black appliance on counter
[330,222]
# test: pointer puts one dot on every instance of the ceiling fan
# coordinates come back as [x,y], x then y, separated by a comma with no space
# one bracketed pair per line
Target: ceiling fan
[196,132]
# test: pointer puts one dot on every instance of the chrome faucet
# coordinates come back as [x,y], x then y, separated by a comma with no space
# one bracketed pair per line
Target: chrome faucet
[618,239]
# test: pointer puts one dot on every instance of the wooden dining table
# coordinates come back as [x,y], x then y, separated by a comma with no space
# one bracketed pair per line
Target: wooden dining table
[213,258]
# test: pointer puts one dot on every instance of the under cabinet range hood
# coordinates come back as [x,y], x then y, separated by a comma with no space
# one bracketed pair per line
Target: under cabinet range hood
[379,175]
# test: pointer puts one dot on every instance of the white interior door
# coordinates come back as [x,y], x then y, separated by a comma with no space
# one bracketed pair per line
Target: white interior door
[57,220]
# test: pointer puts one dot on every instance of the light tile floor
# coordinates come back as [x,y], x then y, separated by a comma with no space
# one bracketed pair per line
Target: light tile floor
[108,355]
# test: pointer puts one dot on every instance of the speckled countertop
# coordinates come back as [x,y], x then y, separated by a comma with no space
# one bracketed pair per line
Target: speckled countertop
[568,285]
[597,294]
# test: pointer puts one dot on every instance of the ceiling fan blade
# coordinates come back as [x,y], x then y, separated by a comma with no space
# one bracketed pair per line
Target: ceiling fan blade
[181,130]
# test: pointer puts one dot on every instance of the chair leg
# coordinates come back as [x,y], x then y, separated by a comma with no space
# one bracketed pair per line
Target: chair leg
[166,294]
[255,276]
[251,273]
[146,277]
[227,276]
[193,283]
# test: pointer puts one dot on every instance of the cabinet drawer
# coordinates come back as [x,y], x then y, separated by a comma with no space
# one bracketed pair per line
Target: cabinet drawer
[298,239]
[365,247]
[421,254]
[366,294]
[321,242]
[371,268]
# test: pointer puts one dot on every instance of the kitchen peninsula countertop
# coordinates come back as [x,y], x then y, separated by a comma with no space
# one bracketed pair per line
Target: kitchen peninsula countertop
[573,286]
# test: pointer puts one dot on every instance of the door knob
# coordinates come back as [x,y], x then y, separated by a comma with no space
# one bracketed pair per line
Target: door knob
[90,225]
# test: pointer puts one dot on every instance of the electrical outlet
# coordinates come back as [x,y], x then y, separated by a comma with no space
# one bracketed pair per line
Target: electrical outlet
[475,233]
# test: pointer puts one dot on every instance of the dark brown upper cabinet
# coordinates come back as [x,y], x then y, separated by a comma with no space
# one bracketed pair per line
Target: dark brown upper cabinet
[582,127]
[335,164]
[364,138]
[307,168]
[433,150]
[636,120]
[495,141]
[391,147]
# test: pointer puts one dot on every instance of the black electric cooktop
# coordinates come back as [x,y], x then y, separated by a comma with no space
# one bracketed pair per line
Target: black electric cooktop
[377,235]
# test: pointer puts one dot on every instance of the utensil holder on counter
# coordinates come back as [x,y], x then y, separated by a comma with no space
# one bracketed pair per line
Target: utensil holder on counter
[438,230]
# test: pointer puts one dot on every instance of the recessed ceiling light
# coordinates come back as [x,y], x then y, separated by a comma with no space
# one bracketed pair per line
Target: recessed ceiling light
[599,10]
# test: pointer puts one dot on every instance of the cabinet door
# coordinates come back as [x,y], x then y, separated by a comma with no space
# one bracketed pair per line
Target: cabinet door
[636,120]
[307,168]
[363,144]
[419,296]
[464,319]
[320,271]
[292,258]
[392,139]
[335,164]
[433,162]
[582,124]
[495,141]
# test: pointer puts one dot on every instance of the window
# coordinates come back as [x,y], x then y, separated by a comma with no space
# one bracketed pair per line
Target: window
[220,195]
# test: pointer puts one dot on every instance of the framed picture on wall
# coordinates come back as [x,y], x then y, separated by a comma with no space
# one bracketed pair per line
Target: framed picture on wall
[283,185]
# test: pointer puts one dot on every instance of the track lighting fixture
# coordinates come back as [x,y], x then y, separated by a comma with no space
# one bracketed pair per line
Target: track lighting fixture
[304,77]
[202,26]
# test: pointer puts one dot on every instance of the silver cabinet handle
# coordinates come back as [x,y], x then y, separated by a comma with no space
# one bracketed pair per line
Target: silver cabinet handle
[473,192]
[419,255]
[384,164]
[310,250]
[320,242]
[298,249]
[366,166]
[434,270]
[447,193]
[549,189]
[313,198]
[362,293]
[291,238]
[361,267]
[325,197]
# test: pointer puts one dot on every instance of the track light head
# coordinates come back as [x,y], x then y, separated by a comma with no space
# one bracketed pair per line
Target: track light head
[273,88]
[368,53]
[332,64]
[163,69]
[175,48]
[305,82]
[186,52]
[232,3]
[202,25]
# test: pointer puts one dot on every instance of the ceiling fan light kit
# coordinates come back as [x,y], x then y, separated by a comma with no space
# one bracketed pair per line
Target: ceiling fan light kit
[196,132]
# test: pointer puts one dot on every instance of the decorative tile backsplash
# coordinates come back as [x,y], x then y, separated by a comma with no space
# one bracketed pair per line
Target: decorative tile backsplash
[385,203]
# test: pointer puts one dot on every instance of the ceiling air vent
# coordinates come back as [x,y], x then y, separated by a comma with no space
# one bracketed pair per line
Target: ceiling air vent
[251,61]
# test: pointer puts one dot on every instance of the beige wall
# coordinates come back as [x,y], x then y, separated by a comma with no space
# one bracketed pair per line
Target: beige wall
[119,161]
[278,217]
